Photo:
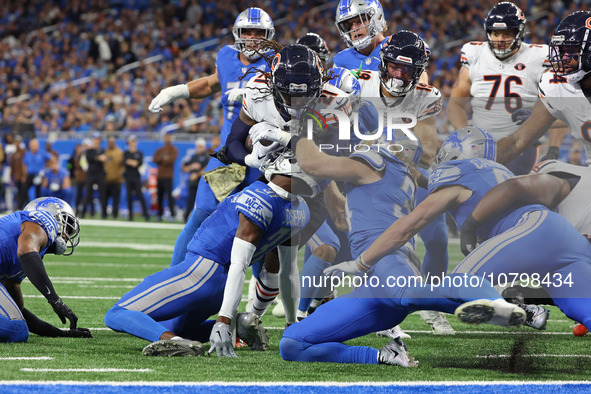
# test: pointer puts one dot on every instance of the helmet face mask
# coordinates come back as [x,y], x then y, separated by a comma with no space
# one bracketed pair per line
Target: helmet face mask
[370,17]
[251,27]
[570,46]
[504,16]
[68,229]
[467,143]
[402,61]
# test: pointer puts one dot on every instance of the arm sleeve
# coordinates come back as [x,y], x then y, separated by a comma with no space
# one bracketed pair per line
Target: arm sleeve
[242,252]
[40,327]
[235,148]
[289,280]
[35,270]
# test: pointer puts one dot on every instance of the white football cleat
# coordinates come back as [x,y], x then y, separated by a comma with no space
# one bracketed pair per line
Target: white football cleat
[394,333]
[278,311]
[438,322]
[498,312]
[174,348]
[250,329]
[394,353]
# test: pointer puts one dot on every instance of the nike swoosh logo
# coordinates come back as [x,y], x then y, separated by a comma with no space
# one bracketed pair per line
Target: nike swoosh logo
[48,291]
[261,157]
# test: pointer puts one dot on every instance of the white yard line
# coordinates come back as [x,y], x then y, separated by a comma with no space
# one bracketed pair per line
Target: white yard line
[535,355]
[85,370]
[116,223]
[26,358]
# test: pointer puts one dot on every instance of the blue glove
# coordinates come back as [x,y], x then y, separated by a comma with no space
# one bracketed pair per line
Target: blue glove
[520,116]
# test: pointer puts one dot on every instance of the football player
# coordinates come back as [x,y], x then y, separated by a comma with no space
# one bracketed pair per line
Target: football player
[233,61]
[46,225]
[210,279]
[501,76]
[563,92]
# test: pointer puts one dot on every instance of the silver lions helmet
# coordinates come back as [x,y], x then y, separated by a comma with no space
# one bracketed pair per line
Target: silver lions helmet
[370,13]
[68,231]
[252,18]
[467,143]
[284,162]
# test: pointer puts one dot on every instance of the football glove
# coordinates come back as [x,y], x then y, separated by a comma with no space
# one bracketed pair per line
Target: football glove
[222,156]
[168,95]
[268,131]
[468,238]
[552,154]
[64,312]
[520,116]
[235,94]
[259,153]
[353,267]
[221,340]
[78,333]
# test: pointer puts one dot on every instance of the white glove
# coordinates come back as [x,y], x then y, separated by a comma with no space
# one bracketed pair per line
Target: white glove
[168,95]
[235,94]
[354,267]
[259,153]
[220,339]
[268,131]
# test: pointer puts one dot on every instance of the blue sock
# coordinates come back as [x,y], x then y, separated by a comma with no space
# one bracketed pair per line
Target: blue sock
[180,247]
[134,323]
[313,268]
[328,352]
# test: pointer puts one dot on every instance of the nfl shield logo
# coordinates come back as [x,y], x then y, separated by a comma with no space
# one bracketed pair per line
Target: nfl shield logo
[243,70]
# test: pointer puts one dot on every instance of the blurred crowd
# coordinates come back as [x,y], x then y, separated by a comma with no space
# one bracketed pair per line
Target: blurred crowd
[69,65]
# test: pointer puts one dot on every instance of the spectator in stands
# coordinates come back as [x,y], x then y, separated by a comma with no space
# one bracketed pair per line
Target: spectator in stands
[165,157]
[78,173]
[49,149]
[195,166]
[56,180]
[34,161]
[575,154]
[133,160]
[95,175]
[10,147]
[18,172]
[113,176]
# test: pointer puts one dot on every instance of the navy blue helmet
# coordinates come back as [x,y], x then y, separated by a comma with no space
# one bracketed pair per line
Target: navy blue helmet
[570,43]
[315,43]
[408,52]
[504,16]
[296,80]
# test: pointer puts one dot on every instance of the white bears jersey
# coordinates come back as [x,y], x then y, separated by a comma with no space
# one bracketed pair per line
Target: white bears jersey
[500,87]
[576,207]
[566,101]
[423,101]
[259,105]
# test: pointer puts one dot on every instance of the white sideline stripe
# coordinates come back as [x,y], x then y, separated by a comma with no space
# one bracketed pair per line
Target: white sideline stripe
[85,370]
[130,254]
[129,245]
[75,297]
[26,358]
[295,384]
[116,223]
[117,265]
[535,355]
[53,278]
[472,332]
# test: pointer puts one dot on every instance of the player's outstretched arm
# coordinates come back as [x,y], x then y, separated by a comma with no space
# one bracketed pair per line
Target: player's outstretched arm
[544,189]
[335,204]
[245,243]
[534,127]
[426,132]
[196,89]
[32,239]
[460,98]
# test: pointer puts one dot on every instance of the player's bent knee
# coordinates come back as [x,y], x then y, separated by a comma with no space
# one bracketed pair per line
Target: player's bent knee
[326,253]
[14,331]
[112,317]
[290,349]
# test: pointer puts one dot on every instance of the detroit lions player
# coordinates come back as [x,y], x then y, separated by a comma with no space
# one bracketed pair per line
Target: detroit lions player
[233,61]
[563,93]
[502,77]
[210,279]
[46,225]
[396,88]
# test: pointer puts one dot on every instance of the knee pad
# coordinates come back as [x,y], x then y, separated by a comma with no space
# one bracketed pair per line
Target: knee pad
[13,331]
[289,348]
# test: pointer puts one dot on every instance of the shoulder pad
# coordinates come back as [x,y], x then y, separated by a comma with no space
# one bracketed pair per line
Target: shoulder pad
[371,157]
[443,174]
[470,51]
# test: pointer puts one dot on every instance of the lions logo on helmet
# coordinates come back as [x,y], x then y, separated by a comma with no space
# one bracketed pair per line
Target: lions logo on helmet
[371,16]
[505,16]
[402,61]
[252,18]
[570,46]
[467,143]
[68,230]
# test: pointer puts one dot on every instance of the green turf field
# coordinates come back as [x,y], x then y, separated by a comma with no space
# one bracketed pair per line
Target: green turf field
[113,259]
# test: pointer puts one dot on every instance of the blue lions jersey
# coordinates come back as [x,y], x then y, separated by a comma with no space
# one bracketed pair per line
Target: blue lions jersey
[478,175]
[351,59]
[230,69]
[372,208]
[10,230]
[278,219]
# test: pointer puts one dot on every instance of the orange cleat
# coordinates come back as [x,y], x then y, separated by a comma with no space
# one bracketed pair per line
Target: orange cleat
[579,330]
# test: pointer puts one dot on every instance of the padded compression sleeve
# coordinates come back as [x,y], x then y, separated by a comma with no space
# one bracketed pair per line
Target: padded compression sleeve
[241,255]
[235,148]
[34,269]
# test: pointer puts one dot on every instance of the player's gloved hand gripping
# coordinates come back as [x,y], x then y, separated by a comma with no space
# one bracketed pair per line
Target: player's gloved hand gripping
[235,94]
[468,237]
[168,95]
[520,116]
[259,153]
[268,131]
[64,312]
[353,267]
[220,340]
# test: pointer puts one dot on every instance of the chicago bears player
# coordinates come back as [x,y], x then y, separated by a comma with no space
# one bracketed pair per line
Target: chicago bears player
[210,279]
[396,88]
[233,61]
[563,92]
[46,225]
[380,189]
[501,76]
